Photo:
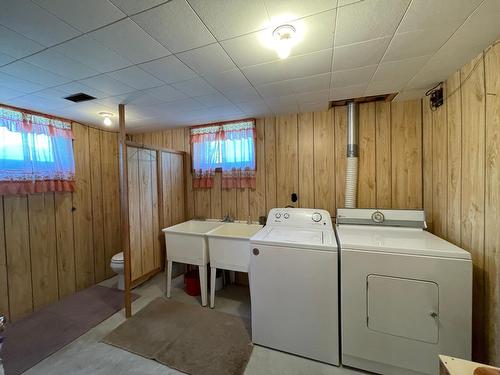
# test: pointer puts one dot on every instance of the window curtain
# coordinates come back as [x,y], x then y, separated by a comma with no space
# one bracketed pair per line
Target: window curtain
[229,147]
[36,154]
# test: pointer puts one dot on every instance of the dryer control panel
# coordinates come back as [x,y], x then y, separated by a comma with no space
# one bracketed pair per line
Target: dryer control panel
[300,217]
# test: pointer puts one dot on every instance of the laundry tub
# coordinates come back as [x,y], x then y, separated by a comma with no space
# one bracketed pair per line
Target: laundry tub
[187,243]
[229,249]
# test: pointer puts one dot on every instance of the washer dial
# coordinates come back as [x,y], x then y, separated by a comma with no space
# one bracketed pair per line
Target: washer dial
[316,217]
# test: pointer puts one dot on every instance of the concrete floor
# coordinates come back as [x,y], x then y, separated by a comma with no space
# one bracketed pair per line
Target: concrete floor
[87,355]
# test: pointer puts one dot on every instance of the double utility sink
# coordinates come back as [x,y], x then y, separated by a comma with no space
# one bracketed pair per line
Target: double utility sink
[223,245]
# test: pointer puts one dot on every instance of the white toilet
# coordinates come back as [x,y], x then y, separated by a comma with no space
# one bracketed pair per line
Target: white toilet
[117,266]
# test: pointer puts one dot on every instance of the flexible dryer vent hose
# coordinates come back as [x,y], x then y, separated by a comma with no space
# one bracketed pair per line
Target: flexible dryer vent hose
[351,180]
[351,177]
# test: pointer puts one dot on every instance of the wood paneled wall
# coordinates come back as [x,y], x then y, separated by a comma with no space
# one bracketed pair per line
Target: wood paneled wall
[305,153]
[54,244]
[462,184]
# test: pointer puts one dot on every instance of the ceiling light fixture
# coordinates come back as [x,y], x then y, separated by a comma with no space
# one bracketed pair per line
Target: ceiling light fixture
[284,40]
[107,118]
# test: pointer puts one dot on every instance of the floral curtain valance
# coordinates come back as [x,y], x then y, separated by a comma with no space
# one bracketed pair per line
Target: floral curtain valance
[229,147]
[36,153]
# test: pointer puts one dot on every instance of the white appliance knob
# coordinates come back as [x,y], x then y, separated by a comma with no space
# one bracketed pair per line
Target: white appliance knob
[316,217]
[286,215]
[277,215]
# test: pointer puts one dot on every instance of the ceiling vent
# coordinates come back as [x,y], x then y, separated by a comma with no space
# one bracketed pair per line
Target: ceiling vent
[80,97]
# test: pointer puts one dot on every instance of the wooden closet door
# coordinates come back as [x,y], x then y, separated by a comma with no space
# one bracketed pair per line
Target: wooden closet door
[177,188]
[134,212]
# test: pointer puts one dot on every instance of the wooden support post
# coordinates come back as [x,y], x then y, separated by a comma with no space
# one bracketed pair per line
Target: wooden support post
[124,208]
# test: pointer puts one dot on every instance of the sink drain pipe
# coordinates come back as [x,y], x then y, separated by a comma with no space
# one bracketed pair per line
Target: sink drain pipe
[351,178]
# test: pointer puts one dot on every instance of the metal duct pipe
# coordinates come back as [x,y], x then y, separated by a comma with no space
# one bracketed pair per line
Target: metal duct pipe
[351,182]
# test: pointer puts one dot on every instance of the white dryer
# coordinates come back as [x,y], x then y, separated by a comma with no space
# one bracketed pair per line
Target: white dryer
[294,284]
[406,294]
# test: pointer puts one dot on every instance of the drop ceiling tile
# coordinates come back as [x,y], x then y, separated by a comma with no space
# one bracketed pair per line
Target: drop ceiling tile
[7,93]
[5,59]
[314,107]
[293,67]
[295,86]
[255,108]
[17,45]
[168,69]
[183,105]
[93,54]
[314,33]
[399,72]
[360,54]
[243,94]
[418,42]
[55,62]
[348,92]
[311,83]
[298,8]
[107,85]
[83,15]
[343,3]
[226,81]
[247,50]
[425,14]
[34,22]
[367,20]
[274,89]
[133,6]
[383,87]
[194,87]
[175,25]
[352,77]
[136,78]
[39,103]
[30,72]
[214,100]
[130,41]
[136,98]
[471,38]
[227,19]
[313,96]
[165,93]
[211,59]
[50,98]
[283,104]
[77,87]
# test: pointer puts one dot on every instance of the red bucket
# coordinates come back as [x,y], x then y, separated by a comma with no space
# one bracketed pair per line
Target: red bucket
[192,283]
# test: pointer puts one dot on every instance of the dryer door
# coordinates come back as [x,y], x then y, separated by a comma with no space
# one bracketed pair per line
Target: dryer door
[403,307]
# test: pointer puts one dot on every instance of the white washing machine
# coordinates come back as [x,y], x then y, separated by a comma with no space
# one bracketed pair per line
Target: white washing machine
[294,284]
[406,294]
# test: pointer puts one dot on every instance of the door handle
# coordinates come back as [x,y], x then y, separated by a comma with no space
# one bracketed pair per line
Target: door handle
[255,251]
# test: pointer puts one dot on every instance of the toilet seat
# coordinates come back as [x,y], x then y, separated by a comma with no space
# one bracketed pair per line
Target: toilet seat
[117,258]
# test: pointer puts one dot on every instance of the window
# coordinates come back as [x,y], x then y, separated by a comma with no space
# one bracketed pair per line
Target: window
[229,147]
[36,153]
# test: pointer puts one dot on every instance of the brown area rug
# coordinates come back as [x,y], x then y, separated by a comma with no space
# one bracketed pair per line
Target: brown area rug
[189,338]
[38,335]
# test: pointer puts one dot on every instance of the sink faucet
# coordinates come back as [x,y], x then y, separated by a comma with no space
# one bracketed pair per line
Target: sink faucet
[227,218]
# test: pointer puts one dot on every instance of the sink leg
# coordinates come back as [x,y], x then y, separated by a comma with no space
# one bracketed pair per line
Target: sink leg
[213,272]
[169,278]
[203,284]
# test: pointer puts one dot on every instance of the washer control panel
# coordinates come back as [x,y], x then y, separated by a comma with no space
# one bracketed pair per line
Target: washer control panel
[299,217]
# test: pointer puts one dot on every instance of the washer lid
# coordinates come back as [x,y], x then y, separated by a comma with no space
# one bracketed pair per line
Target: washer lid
[296,237]
[397,240]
